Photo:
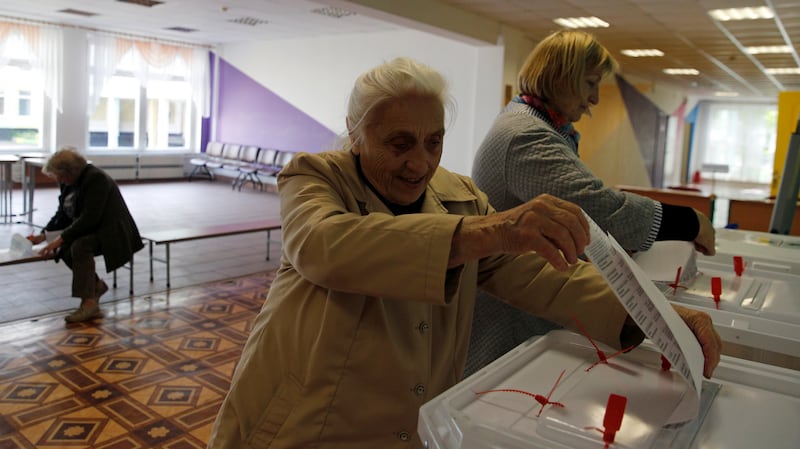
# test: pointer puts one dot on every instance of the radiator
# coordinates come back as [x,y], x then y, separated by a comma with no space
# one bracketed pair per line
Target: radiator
[118,166]
[161,166]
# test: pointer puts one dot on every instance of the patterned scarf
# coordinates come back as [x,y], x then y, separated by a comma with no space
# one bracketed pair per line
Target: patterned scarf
[559,122]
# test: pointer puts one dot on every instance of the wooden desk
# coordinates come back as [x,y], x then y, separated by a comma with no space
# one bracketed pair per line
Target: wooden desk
[700,201]
[755,215]
[6,258]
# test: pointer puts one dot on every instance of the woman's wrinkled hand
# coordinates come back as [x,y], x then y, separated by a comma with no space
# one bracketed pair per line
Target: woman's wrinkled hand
[703,329]
[36,238]
[556,229]
[51,248]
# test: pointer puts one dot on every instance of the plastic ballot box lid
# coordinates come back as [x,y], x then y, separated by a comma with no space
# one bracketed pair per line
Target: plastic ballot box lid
[549,393]
[752,305]
[760,250]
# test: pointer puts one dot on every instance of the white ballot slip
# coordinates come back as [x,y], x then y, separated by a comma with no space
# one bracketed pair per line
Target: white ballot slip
[20,246]
[651,311]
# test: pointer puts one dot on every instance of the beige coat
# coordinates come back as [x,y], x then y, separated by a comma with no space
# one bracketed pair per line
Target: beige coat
[364,323]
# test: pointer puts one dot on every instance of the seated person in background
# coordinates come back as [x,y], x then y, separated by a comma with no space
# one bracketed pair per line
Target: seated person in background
[370,312]
[93,219]
[532,148]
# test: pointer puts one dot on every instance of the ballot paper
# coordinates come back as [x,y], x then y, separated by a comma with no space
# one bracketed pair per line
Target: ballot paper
[652,312]
[20,246]
[662,259]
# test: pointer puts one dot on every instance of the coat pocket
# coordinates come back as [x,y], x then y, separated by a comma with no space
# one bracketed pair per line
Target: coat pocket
[276,413]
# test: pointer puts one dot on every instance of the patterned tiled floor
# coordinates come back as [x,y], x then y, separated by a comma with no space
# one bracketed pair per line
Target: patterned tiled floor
[151,374]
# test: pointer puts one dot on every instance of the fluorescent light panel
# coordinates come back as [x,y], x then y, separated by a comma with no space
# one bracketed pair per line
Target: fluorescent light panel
[581,22]
[332,11]
[681,71]
[784,71]
[726,94]
[759,12]
[642,53]
[769,49]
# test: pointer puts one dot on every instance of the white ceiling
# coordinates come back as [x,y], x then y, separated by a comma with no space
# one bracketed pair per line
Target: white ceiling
[682,29]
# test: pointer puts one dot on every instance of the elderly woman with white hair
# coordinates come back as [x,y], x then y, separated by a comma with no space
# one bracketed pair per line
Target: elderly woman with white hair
[369,315]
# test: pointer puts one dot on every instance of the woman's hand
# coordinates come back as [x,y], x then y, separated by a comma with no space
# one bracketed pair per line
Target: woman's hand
[36,238]
[703,329]
[554,228]
[705,241]
[50,249]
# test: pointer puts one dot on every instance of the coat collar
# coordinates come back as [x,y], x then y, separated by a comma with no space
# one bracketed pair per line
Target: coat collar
[440,190]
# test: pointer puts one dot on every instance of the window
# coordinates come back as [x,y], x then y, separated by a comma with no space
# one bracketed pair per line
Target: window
[114,121]
[24,103]
[168,114]
[21,99]
[146,100]
[739,135]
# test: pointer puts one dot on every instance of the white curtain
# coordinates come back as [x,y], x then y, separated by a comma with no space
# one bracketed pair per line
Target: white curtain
[45,45]
[199,71]
[102,66]
[149,60]
[739,135]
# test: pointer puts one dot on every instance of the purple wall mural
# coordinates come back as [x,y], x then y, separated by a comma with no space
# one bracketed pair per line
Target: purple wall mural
[250,114]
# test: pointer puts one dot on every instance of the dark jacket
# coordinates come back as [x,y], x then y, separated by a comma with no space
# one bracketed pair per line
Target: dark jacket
[101,210]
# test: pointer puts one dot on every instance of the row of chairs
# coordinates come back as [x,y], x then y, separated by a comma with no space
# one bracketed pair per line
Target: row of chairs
[250,163]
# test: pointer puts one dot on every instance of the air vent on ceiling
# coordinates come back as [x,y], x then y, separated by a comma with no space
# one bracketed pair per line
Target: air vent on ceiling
[78,12]
[249,21]
[148,3]
[332,11]
[181,29]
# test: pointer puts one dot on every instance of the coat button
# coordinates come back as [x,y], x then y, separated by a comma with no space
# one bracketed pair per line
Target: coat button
[423,327]
[404,436]
[419,389]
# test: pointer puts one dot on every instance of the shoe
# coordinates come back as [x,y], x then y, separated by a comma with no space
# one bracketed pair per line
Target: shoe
[84,314]
[101,288]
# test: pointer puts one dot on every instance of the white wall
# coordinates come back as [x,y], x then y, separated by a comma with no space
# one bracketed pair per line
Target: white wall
[316,75]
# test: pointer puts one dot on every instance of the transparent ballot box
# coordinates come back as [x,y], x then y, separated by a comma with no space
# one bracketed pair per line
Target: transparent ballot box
[746,405]
[756,306]
[760,250]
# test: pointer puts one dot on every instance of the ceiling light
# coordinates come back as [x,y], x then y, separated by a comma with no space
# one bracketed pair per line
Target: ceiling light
[681,71]
[252,21]
[147,3]
[581,22]
[723,15]
[332,11]
[641,53]
[78,12]
[181,29]
[726,94]
[784,71]
[769,49]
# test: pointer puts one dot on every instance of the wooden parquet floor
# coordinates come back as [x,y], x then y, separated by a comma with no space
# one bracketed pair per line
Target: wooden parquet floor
[151,374]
